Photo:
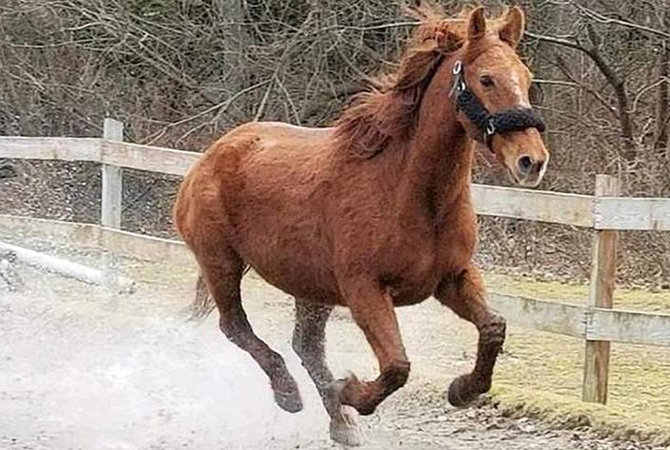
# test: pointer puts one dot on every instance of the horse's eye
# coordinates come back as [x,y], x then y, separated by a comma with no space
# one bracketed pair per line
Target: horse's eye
[486,81]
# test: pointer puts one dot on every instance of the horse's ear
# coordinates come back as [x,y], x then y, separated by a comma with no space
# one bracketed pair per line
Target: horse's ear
[476,24]
[513,28]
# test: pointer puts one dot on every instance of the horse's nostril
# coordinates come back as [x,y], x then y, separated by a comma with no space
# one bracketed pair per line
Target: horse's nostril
[525,163]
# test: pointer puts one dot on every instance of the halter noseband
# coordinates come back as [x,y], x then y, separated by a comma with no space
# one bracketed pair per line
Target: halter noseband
[515,119]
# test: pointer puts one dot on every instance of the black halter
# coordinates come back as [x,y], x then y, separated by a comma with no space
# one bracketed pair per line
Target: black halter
[489,124]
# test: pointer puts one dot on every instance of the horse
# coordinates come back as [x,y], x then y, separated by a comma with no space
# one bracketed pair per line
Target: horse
[371,213]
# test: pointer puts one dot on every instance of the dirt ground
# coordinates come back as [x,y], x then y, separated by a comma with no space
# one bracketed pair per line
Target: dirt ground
[81,368]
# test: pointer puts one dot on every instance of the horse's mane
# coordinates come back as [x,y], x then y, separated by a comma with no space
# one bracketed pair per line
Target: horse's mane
[389,109]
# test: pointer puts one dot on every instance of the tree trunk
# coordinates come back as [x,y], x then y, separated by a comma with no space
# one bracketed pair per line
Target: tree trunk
[619,85]
[663,113]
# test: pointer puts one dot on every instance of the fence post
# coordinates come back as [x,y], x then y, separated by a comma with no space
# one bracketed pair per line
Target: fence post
[112,180]
[601,289]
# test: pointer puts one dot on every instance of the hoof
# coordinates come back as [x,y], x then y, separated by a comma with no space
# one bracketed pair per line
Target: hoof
[461,393]
[289,400]
[343,429]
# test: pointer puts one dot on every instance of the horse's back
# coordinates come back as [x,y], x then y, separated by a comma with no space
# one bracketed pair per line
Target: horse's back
[279,131]
[259,189]
[269,163]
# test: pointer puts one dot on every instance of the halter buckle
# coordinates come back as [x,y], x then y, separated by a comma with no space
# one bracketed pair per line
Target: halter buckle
[490,127]
[459,83]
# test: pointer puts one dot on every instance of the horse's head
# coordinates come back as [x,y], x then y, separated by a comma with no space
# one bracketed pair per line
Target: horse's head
[474,62]
[490,88]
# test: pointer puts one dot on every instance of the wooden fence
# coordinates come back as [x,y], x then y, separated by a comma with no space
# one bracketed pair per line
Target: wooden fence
[605,213]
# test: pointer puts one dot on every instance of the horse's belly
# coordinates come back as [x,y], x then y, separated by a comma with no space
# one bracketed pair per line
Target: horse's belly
[292,259]
[405,292]
[300,282]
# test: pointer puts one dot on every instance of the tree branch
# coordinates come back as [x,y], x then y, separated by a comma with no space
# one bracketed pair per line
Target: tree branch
[346,89]
[566,71]
[220,106]
[615,81]
[596,16]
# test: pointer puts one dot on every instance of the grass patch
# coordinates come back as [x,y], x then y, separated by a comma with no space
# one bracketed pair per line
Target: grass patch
[631,299]
[540,374]
[562,412]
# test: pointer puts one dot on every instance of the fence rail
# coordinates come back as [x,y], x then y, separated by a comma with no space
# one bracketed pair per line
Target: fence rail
[539,206]
[585,211]
[605,213]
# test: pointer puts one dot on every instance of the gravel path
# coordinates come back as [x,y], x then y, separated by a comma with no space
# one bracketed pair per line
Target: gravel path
[83,369]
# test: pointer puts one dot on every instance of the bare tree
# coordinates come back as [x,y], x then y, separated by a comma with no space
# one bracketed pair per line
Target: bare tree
[179,74]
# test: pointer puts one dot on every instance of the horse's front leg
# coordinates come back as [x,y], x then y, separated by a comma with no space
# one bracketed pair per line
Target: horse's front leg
[372,310]
[464,294]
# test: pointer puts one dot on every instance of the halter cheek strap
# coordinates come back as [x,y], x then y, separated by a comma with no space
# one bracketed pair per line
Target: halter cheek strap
[506,121]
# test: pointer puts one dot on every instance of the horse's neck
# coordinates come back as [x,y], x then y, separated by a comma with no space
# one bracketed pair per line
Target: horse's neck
[438,170]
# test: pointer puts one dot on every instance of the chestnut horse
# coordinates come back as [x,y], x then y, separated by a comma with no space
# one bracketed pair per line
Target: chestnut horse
[372,213]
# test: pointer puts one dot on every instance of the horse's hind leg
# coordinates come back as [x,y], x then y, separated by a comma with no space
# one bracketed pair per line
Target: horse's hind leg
[309,340]
[223,274]
[464,294]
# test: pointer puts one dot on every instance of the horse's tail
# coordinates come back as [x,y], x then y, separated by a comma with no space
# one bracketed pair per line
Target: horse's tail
[203,304]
